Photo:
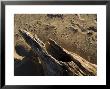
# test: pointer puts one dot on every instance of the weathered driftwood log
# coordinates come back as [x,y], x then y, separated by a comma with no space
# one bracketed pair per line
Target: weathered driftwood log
[57,61]
[75,63]
[50,65]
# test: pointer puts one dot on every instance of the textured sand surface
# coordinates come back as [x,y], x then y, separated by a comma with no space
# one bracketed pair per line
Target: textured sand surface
[75,33]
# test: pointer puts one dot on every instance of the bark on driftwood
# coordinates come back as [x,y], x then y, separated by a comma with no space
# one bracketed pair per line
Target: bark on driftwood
[57,61]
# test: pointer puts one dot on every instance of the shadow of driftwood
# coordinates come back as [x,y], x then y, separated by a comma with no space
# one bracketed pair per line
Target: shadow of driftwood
[28,66]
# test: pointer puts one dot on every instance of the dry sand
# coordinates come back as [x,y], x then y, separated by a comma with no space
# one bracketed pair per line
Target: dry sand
[75,33]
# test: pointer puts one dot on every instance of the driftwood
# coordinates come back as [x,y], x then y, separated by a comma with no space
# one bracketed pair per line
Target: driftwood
[57,61]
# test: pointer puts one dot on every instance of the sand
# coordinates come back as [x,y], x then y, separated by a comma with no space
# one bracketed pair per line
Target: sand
[76,33]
